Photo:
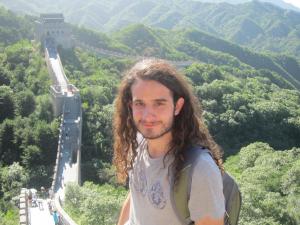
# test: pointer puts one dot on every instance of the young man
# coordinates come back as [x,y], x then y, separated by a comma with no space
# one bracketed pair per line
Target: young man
[156,119]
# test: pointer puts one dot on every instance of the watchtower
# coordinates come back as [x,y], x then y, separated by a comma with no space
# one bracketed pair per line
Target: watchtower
[52,27]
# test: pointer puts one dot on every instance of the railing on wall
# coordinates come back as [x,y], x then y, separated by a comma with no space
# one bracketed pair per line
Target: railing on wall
[56,167]
[65,219]
[23,205]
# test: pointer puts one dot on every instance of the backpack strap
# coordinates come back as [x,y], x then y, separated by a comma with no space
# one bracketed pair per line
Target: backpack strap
[233,201]
[180,193]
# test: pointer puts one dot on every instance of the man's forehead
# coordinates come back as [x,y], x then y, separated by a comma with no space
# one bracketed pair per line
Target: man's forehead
[151,95]
[136,99]
[149,87]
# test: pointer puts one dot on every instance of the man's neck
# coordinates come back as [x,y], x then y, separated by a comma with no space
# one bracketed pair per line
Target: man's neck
[160,146]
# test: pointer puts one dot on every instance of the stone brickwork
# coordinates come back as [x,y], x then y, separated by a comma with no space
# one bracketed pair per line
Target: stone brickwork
[23,205]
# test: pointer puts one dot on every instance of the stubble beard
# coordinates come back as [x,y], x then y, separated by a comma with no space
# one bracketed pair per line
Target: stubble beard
[149,134]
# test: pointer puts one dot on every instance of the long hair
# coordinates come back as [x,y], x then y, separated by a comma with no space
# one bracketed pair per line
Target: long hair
[188,128]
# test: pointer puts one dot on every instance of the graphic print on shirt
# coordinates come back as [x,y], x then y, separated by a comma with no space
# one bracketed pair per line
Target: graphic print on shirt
[156,195]
[140,182]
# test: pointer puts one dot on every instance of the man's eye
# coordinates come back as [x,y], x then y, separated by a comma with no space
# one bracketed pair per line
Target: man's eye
[138,104]
[159,103]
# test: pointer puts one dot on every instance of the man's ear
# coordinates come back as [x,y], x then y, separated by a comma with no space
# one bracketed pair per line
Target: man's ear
[178,106]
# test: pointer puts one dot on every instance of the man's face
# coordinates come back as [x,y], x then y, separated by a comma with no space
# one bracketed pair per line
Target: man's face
[153,108]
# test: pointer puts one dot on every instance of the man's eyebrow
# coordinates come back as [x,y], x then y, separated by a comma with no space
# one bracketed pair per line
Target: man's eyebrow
[155,100]
[160,100]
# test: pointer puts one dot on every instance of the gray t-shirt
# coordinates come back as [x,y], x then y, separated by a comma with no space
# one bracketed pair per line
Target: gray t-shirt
[150,189]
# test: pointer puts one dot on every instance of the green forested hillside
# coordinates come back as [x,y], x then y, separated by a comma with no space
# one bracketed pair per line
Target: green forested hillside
[269,181]
[13,28]
[28,130]
[198,46]
[148,42]
[251,106]
[252,112]
[281,3]
[190,44]
[98,40]
[255,24]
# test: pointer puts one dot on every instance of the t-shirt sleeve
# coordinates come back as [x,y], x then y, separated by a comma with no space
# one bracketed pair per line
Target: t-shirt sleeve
[206,197]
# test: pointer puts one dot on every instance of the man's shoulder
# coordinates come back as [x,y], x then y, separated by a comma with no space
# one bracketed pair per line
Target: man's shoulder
[195,153]
[205,161]
[200,158]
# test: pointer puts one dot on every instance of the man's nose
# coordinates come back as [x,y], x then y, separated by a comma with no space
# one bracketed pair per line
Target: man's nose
[148,113]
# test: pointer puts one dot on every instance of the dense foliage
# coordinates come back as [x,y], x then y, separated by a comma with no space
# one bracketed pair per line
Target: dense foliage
[28,130]
[269,182]
[28,133]
[247,103]
[93,204]
[13,28]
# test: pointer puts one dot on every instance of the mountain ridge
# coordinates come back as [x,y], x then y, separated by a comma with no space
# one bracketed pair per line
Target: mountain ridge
[188,44]
[258,25]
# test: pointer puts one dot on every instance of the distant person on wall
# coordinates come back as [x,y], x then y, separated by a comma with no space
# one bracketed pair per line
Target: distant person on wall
[50,208]
[34,200]
[50,193]
[55,217]
[43,193]
[30,198]
[157,118]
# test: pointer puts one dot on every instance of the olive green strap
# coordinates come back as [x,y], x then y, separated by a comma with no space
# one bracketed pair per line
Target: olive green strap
[180,193]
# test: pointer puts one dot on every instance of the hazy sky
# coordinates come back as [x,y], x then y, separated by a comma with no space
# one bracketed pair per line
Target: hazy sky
[294,2]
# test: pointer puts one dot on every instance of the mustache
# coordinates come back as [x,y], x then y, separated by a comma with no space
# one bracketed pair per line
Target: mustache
[144,122]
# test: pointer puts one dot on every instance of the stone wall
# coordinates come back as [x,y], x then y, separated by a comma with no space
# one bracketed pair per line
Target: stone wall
[24,218]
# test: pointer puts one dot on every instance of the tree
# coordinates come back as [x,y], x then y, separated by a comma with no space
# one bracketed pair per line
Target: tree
[44,108]
[249,154]
[13,178]
[7,103]
[18,54]
[32,156]
[25,103]
[9,152]
[268,180]
[93,204]
[4,76]
[46,139]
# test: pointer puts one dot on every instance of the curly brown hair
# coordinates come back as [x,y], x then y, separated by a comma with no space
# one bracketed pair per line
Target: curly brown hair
[188,128]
